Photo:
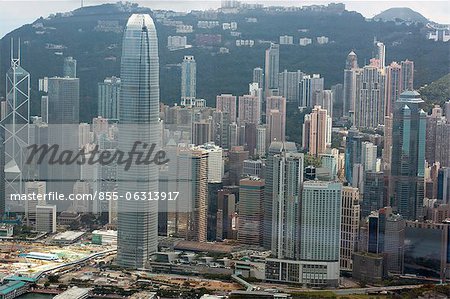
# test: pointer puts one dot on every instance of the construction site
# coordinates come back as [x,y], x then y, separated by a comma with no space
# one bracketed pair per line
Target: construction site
[25,259]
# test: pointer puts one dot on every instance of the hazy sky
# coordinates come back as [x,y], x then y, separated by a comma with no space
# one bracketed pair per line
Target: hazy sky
[14,13]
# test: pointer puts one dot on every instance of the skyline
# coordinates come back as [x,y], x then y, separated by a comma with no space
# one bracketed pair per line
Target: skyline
[298,147]
[12,18]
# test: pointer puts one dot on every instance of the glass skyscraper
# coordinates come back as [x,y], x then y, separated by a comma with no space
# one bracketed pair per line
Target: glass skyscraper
[188,80]
[408,155]
[139,117]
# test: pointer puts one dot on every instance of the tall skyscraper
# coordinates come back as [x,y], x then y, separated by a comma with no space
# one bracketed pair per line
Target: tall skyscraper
[324,99]
[220,128]
[393,86]
[350,212]
[276,148]
[258,77]
[287,179]
[236,156]
[407,75]
[188,80]
[387,148]
[276,118]
[139,116]
[70,67]
[310,87]
[288,85]
[386,234]
[227,103]
[443,185]
[261,140]
[306,131]
[399,78]
[373,198]
[272,67]
[320,128]
[249,109]
[447,110]
[381,54]
[14,130]
[251,195]
[109,98]
[63,100]
[320,225]
[370,94]
[349,93]
[193,166]
[369,156]
[201,132]
[353,150]
[408,155]
[394,243]
[337,92]
[437,148]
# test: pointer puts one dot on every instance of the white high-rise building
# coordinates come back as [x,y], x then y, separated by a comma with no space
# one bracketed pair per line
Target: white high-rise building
[320,229]
[369,156]
[304,41]
[349,93]
[176,42]
[370,95]
[261,140]
[258,76]
[310,88]
[38,188]
[286,40]
[215,162]
[288,85]
[321,221]
[287,179]
[381,54]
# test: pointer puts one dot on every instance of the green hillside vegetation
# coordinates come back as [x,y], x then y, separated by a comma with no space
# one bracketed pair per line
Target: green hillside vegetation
[98,53]
[436,93]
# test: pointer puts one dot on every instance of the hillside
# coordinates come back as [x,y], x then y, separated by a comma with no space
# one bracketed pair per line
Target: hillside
[401,13]
[80,34]
[437,92]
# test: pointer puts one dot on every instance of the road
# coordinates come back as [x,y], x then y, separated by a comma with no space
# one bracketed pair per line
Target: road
[374,289]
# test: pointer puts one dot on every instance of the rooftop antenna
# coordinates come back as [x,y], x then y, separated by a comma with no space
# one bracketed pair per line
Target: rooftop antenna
[18,52]
[15,61]
[81,3]
[12,51]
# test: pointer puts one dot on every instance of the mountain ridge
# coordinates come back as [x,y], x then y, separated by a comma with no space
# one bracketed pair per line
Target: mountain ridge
[98,52]
[401,13]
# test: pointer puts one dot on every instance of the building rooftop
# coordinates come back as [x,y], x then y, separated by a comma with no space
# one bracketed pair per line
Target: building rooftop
[410,96]
[10,286]
[73,293]
[68,235]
